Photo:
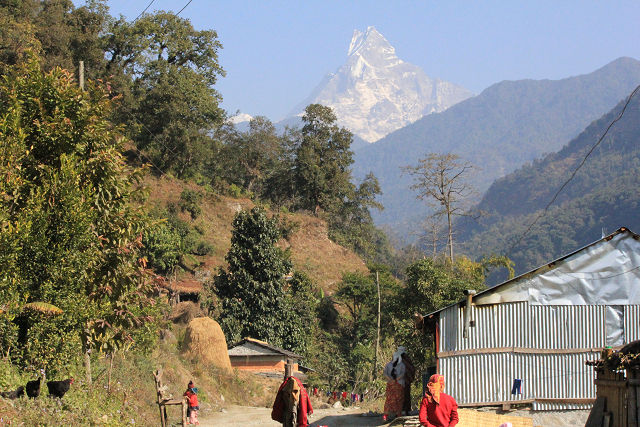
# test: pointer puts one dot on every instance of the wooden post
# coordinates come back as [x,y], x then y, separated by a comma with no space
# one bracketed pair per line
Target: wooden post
[81,73]
[288,369]
[632,397]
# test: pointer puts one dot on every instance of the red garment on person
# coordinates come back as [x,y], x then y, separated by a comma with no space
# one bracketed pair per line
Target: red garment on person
[304,406]
[193,400]
[443,414]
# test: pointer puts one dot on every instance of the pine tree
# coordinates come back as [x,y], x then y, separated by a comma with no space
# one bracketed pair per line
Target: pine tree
[252,288]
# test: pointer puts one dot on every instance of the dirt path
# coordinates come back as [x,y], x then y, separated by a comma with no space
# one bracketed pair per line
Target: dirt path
[251,416]
[236,416]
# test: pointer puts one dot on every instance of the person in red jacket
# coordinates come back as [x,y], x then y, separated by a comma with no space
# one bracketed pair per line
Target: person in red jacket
[438,409]
[192,401]
[291,393]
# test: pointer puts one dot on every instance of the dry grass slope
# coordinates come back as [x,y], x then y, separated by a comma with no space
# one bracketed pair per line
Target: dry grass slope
[311,250]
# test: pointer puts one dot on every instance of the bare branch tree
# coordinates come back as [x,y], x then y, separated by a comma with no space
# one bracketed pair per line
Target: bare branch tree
[430,233]
[441,180]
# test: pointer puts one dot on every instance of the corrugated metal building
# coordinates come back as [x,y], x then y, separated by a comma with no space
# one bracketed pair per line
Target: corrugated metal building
[538,329]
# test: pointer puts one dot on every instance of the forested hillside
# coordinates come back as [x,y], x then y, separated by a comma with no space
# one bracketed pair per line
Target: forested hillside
[507,125]
[603,195]
[119,189]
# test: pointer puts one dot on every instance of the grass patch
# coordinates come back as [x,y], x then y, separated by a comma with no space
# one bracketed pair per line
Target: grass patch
[131,399]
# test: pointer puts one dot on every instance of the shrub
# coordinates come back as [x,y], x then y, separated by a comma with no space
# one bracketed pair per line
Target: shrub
[235,191]
[190,202]
[203,248]
[162,248]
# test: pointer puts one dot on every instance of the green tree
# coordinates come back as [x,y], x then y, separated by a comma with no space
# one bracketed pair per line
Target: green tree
[252,289]
[356,334]
[323,161]
[430,285]
[255,154]
[357,294]
[173,108]
[65,34]
[301,315]
[351,224]
[17,36]
[70,234]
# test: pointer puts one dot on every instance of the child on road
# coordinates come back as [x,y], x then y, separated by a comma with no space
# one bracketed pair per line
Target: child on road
[192,397]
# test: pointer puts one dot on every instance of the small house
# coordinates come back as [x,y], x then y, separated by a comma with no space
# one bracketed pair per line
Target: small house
[261,358]
[526,341]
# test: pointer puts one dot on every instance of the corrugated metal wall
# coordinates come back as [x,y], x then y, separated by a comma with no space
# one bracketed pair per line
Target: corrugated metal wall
[476,378]
[519,324]
[631,322]
[489,377]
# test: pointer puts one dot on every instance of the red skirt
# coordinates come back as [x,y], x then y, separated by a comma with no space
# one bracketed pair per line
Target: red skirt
[394,398]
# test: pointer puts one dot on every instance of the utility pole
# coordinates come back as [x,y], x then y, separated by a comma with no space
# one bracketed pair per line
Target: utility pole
[375,356]
[81,73]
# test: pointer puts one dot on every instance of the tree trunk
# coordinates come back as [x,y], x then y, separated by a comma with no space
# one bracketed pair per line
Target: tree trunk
[109,373]
[450,234]
[434,237]
[375,355]
[86,351]
[87,365]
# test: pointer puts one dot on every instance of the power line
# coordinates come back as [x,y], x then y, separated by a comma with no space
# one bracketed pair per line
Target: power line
[145,9]
[185,6]
[142,155]
[155,138]
[555,196]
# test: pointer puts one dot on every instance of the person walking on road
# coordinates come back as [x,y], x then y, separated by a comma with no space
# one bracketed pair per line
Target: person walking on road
[394,372]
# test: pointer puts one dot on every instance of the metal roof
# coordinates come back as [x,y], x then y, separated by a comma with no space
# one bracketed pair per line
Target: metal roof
[552,264]
[252,347]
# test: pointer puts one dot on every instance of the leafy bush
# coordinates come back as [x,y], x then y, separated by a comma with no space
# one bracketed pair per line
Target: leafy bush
[162,246]
[235,191]
[203,248]
[288,227]
[190,202]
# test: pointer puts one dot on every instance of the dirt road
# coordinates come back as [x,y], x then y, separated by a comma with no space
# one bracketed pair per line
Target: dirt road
[251,416]
[236,416]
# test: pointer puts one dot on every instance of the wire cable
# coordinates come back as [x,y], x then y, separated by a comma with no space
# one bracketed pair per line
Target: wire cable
[555,196]
[145,9]
[185,6]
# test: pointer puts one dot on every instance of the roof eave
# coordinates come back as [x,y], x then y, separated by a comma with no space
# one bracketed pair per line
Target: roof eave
[537,269]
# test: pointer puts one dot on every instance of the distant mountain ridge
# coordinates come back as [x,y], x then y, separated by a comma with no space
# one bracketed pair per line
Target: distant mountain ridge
[603,195]
[507,125]
[375,92]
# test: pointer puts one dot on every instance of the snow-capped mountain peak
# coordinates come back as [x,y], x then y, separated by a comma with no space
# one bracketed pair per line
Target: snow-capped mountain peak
[375,92]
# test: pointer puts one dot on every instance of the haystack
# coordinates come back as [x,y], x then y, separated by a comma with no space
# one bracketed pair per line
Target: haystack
[205,343]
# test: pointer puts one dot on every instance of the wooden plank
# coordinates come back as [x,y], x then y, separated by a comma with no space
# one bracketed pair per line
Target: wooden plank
[521,350]
[567,400]
[172,402]
[495,403]
[611,383]
[631,406]
[527,401]
[597,413]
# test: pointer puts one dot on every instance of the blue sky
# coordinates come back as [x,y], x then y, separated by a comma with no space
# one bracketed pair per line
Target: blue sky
[276,52]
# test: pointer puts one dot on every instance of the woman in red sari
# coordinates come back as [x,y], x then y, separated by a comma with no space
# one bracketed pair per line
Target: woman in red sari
[394,372]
